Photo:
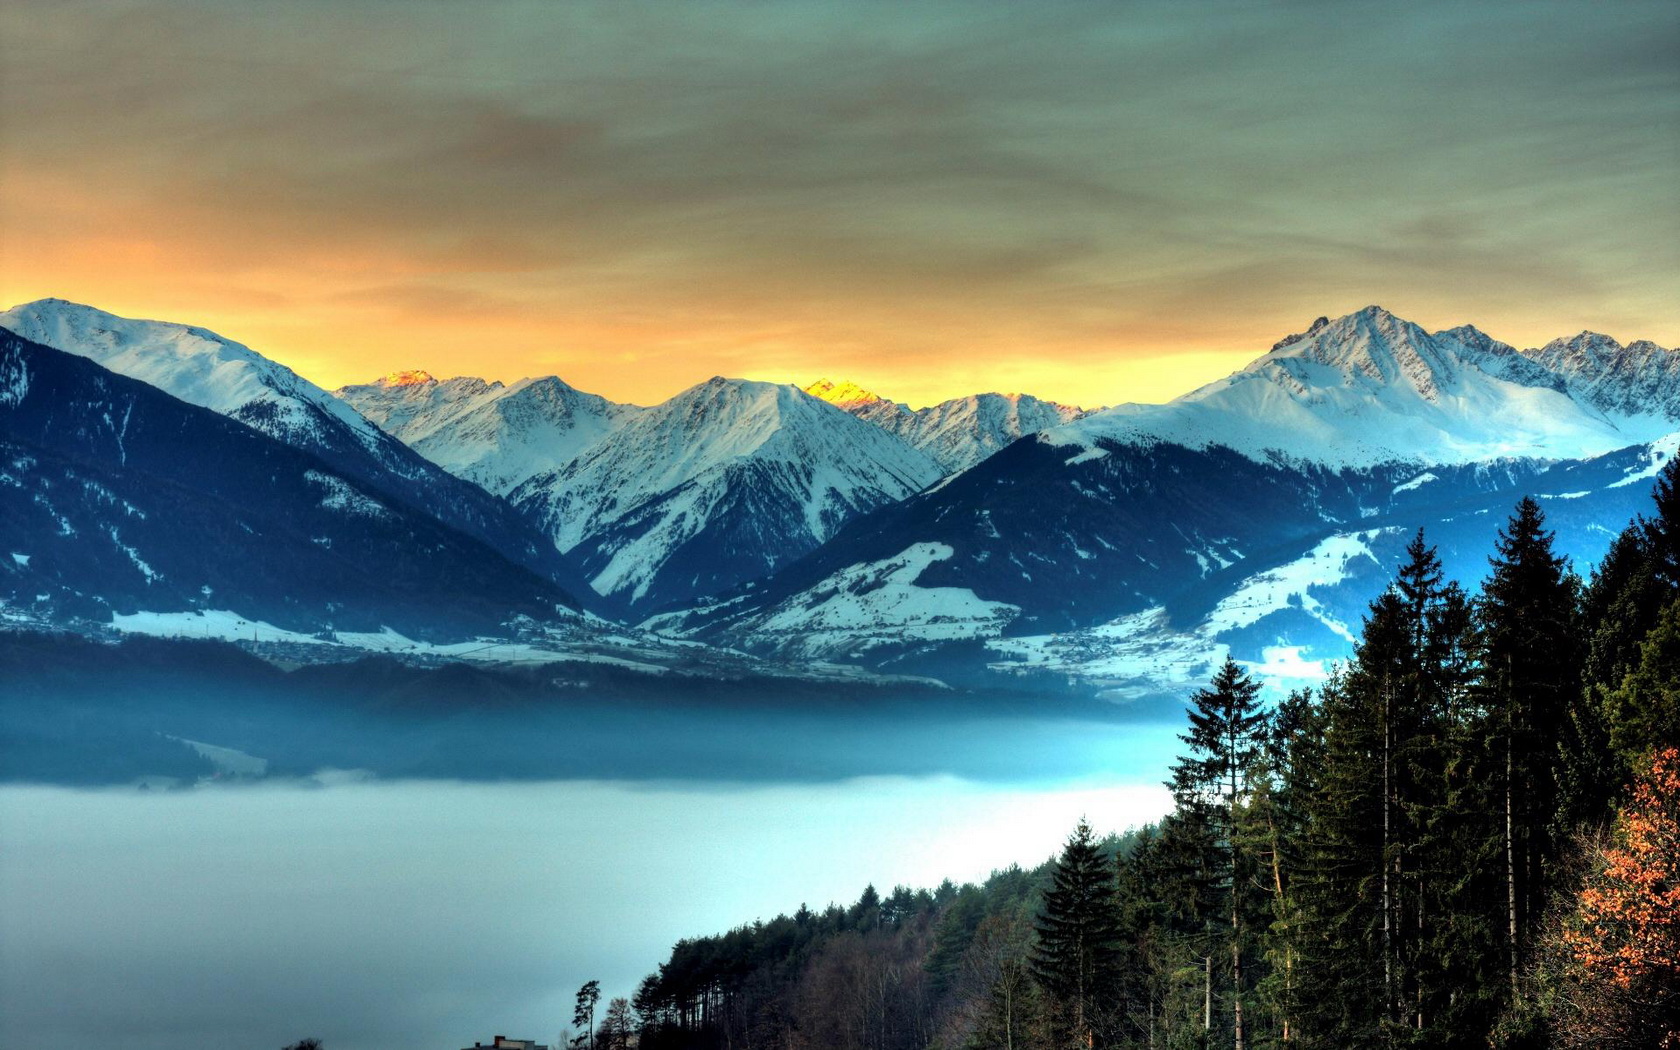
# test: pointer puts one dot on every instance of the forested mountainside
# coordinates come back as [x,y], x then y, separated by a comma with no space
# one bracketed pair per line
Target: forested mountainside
[1470,836]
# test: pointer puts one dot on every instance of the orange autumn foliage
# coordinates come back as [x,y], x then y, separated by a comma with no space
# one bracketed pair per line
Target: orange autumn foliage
[1627,921]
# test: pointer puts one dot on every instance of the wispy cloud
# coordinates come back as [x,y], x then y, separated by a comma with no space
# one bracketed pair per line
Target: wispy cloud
[930,197]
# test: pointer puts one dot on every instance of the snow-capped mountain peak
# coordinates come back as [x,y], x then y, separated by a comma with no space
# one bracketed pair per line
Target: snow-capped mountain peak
[408,377]
[847,395]
[1372,388]
[1371,349]
[1639,380]
[720,484]
[957,433]
[194,364]
[202,368]
[1312,329]
[492,434]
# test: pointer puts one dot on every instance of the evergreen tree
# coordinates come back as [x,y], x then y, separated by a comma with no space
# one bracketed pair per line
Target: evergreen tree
[583,1013]
[1270,830]
[1663,531]
[1644,713]
[1531,678]
[1226,738]
[1383,816]
[1341,860]
[1629,590]
[1078,952]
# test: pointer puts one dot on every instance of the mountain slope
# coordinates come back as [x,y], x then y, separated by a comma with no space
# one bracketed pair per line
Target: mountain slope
[957,433]
[1634,382]
[1370,388]
[496,436]
[723,483]
[120,498]
[226,377]
[1232,518]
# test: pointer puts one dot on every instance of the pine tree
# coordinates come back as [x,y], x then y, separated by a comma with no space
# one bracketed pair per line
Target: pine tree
[1270,829]
[1630,588]
[1339,967]
[1226,738]
[1644,713]
[583,1015]
[1531,677]
[1078,951]
[1384,815]
[1663,531]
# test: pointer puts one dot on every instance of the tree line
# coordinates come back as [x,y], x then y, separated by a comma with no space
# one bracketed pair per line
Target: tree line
[1468,836]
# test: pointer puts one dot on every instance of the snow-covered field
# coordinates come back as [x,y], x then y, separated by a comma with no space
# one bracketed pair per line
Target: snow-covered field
[231,626]
[1145,653]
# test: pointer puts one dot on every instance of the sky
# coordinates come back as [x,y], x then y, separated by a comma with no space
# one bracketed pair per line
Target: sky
[1092,202]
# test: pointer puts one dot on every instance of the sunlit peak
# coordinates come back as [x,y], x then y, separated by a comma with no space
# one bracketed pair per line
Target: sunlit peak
[844,394]
[411,377]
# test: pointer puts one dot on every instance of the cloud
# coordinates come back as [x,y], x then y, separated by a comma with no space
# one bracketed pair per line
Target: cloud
[897,190]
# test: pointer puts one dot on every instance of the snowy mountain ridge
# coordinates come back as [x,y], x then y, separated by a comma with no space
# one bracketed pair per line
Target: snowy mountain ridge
[1370,388]
[1135,547]
[494,435]
[957,433]
[1640,380]
[116,496]
[209,371]
[196,365]
[723,482]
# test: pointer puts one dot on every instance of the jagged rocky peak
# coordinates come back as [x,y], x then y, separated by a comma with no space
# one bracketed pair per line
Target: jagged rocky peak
[743,413]
[723,482]
[409,377]
[491,434]
[1370,348]
[1639,379]
[844,394]
[1501,360]
[1476,339]
[1594,355]
[411,385]
[1584,350]
[1312,329]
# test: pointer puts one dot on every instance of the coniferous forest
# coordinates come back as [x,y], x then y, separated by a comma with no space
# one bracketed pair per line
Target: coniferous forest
[1468,837]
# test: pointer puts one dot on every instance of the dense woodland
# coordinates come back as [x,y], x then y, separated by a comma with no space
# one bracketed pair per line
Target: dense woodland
[1470,836]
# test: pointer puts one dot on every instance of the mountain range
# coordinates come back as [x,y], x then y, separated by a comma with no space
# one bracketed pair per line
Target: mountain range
[211,372]
[120,499]
[993,537]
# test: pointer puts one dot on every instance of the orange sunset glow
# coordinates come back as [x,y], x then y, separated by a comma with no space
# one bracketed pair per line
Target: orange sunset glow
[772,195]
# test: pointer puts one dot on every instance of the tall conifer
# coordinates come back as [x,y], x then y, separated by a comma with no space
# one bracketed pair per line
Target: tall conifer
[1531,677]
[1078,951]
[1226,738]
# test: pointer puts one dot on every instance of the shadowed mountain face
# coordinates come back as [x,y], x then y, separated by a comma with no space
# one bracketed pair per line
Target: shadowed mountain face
[207,370]
[122,498]
[1146,564]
